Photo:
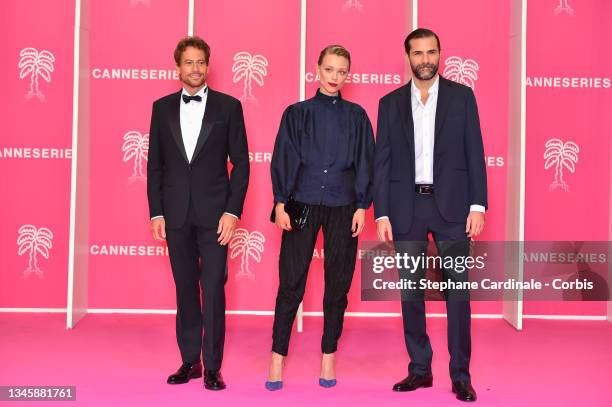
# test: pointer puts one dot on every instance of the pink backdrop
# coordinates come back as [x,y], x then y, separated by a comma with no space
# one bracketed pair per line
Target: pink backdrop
[141,40]
[131,65]
[483,50]
[35,151]
[273,39]
[377,67]
[568,99]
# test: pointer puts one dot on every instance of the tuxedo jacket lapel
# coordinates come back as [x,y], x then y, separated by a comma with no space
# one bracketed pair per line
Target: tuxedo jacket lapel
[175,124]
[405,108]
[444,98]
[207,122]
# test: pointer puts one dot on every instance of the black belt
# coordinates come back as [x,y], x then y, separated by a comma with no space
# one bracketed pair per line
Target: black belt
[424,189]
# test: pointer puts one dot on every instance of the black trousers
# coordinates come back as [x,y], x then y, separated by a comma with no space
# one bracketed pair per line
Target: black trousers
[451,240]
[199,269]
[295,255]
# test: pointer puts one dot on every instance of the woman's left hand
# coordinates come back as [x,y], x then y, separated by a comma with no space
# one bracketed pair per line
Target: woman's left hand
[358,222]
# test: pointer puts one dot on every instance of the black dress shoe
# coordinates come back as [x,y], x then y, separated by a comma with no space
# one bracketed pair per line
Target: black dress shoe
[464,391]
[186,372]
[213,380]
[413,382]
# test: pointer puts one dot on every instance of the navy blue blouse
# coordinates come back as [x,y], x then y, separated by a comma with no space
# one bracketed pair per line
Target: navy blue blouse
[323,153]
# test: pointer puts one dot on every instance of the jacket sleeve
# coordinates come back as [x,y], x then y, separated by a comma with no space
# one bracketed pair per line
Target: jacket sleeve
[364,161]
[154,167]
[382,162]
[239,157]
[477,170]
[286,158]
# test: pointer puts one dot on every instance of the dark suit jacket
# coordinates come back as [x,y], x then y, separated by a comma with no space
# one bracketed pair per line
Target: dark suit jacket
[172,181]
[460,178]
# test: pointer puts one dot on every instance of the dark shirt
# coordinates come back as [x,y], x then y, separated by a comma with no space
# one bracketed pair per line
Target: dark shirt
[323,153]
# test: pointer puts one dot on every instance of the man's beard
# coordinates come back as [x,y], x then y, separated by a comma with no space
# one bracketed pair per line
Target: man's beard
[423,75]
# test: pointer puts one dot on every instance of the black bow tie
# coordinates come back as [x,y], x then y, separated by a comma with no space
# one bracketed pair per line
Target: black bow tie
[187,98]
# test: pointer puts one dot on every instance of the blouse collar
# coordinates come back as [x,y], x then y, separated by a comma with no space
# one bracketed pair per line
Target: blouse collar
[326,98]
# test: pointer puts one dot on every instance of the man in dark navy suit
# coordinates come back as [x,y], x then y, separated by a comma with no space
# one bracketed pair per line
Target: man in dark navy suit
[194,204]
[430,177]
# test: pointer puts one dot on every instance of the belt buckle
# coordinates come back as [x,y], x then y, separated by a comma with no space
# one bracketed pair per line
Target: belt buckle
[425,189]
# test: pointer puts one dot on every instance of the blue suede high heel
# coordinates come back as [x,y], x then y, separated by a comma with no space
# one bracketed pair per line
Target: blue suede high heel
[327,383]
[274,386]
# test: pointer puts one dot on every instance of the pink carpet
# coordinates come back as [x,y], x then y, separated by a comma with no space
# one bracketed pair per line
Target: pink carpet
[117,360]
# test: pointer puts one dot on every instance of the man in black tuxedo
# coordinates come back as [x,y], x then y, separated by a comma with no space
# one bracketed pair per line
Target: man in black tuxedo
[430,176]
[194,204]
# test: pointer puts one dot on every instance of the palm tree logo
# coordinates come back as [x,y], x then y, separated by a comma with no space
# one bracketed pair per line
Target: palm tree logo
[356,4]
[561,155]
[34,241]
[246,245]
[249,68]
[564,8]
[136,147]
[458,70]
[36,64]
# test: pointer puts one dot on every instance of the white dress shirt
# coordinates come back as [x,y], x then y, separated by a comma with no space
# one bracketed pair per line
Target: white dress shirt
[192,114]
[424,118]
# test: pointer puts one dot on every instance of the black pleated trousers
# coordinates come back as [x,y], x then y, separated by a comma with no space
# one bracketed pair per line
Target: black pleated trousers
[296,252]
[451,240]
[199,268]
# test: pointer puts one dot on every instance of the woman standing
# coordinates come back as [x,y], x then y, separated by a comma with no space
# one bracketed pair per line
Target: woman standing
[323,160]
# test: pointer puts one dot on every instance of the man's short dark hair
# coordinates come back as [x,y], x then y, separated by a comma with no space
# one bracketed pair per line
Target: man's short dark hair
[195,42]
[420,33]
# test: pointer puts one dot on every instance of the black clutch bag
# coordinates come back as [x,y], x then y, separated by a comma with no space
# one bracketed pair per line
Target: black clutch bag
[298,213]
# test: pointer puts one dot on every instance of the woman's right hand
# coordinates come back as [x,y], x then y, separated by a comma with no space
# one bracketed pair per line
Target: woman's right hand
[282,218]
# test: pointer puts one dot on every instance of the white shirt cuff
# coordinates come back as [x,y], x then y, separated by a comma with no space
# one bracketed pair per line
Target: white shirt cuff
[156,217]
[477,208]
[381,218]
[231,214]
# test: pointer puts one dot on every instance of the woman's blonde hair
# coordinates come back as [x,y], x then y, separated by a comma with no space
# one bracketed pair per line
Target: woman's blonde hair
[335,50]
